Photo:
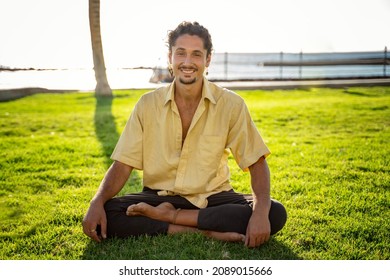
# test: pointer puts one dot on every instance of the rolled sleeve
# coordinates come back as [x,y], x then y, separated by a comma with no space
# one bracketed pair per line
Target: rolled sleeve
[244,140]
[129,149]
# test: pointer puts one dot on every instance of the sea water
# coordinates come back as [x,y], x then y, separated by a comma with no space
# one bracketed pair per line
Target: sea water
[231,66]
[77,79]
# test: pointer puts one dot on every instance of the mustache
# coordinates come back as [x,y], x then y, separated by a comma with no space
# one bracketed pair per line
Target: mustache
[187,67]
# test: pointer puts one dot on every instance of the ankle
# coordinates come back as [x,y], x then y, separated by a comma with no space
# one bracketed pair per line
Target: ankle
[175,214]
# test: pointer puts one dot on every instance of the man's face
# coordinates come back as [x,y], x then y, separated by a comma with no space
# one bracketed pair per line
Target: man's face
[189,59]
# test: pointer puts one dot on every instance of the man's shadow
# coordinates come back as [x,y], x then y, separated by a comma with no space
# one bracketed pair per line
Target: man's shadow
[194,247]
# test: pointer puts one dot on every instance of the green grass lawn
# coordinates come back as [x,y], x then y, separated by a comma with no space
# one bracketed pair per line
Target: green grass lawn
[330,167]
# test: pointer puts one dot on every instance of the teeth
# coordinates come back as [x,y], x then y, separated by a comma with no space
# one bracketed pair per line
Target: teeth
[187,70]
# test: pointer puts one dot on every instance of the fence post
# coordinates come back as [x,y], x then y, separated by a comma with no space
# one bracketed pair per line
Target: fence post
[226,65]
[300,65]
[281,65]
[385,62]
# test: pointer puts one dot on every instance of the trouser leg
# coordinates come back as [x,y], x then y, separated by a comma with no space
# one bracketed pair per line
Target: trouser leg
[277,216]
[121,225]
[230,212]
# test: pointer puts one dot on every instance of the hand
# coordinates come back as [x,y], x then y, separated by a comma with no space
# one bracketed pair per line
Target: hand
[95,216]
[258,231]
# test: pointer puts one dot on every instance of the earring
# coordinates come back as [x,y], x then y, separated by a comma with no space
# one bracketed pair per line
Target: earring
[170,69]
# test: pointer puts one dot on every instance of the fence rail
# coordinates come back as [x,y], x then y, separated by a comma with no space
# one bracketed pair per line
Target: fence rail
[258,66]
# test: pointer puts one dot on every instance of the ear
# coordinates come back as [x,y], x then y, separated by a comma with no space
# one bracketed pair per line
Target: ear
[208,60]
[170,57]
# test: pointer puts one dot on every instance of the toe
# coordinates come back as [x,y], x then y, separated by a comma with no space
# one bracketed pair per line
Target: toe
[130,210]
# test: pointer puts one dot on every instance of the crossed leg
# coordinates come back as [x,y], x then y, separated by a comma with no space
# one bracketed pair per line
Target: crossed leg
[180,220]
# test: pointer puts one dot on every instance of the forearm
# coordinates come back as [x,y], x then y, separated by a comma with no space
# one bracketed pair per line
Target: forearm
[260,182]
[113,182]
[259,228]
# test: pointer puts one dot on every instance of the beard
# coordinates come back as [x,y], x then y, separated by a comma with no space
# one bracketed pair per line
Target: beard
[187,82]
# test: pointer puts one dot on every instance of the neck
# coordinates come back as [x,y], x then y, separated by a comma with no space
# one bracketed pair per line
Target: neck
[188,93]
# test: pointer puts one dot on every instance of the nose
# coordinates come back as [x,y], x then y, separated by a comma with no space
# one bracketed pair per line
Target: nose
[187,59]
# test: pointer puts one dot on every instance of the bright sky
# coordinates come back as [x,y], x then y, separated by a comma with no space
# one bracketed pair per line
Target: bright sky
[55,33]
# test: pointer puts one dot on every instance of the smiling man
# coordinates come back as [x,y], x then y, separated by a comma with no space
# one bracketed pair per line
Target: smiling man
[180,136]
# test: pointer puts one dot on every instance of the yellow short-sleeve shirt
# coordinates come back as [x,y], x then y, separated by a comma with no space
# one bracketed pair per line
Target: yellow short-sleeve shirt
[152,141]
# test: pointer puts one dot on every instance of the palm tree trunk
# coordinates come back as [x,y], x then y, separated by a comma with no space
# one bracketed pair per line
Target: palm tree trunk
[102,86]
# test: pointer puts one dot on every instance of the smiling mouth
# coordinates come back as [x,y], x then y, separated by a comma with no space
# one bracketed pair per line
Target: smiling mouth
[187,70]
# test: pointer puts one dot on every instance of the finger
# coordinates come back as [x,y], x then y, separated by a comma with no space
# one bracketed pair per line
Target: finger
[264,238]
[247,236]
[87,228]
[255,241]
[90,231]
[247,240]
[84,223]
[93,235]
[250,242]
[103,228]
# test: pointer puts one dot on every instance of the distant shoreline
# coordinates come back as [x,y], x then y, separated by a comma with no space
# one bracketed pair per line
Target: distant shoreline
[378,57]
[376,61]
[11,69]
[243,84]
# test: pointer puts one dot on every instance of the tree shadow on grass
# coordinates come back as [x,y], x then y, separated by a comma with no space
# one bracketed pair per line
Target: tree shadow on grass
[108,135]
[105,127]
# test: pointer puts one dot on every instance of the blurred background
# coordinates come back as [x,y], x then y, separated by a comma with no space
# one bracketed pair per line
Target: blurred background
[253,40]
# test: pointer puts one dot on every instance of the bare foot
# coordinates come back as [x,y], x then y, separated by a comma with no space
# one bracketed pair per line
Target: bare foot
[222,236]
[163,212]
[225,236]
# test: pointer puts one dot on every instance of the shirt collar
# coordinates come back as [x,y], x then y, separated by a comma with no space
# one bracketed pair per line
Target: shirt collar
[170,92]
[206,92]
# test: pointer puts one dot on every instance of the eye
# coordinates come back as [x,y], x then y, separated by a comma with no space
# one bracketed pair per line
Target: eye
[197,54]
[180,53]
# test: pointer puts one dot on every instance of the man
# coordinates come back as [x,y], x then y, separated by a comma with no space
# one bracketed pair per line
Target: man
[180,136]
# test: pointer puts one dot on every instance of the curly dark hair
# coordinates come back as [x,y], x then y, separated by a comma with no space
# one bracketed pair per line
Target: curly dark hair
[191,28]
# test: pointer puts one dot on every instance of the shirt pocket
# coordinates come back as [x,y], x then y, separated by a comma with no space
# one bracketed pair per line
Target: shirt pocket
[210,152]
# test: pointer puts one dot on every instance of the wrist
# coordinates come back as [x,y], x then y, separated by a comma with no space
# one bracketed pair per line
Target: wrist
[262,207]
[97,201]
